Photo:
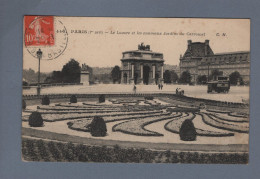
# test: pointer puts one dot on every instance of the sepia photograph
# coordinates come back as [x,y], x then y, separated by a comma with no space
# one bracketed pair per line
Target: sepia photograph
[135,90]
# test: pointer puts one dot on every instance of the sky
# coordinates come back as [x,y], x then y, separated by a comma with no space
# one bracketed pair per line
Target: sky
[105,49]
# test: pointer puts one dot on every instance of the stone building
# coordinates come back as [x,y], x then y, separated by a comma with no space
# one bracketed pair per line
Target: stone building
[142,66]
[199,59]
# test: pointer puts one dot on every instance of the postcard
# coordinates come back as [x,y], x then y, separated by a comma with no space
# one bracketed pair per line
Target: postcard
[135,90]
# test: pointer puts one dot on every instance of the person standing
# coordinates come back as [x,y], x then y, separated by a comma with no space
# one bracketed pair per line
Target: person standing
[134,89]
[159,86]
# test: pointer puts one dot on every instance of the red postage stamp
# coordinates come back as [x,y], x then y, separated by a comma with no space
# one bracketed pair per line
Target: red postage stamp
[39,30]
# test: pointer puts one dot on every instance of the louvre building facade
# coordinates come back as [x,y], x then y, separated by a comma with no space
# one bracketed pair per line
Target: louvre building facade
[199,59]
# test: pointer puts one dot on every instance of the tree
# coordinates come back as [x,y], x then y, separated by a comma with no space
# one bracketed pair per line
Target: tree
[235,77]
[202,79]
[174,76]
[185,77]
[56,77]
[167,76]
[188,131]
[116,74]
[71,72]
[215,73]
[98,127]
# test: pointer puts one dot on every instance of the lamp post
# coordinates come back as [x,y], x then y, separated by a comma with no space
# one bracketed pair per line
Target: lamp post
[39,55]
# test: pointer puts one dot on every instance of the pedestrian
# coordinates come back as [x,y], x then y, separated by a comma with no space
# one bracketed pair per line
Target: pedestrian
[134,89]
[159,86]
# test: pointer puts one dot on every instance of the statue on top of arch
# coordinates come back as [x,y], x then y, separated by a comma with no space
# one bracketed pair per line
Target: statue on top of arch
[143,47]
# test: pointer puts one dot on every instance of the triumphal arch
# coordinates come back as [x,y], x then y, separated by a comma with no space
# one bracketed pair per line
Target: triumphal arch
[142,66]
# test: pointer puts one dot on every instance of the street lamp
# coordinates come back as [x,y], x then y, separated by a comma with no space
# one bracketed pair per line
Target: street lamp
[39,55]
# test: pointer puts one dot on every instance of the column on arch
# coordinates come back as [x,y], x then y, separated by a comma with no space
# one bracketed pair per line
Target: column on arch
[153,71]
[141,69]
[162,71]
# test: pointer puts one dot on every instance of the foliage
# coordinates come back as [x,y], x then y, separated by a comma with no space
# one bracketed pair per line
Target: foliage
[202,79]
[98,127]
[23,104]
[170,76]
[148,97]
[102,98]
[60,151]
[235,77]
[188,131]
[30,76]
[185,77]
[73,99]
[56,77]
[45,100]
[116,74]
[174,76]
[214,74]
[35,119]
[71,72]
[167,76]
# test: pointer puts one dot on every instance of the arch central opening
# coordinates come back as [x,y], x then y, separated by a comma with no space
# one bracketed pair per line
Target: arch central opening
[146,74]
[125,78]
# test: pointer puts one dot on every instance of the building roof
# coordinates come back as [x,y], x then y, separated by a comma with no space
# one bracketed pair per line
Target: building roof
[198,49]
[233,53]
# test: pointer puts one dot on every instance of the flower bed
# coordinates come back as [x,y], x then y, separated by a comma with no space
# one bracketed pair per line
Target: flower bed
[82,124]
[75,111]
[207,133]
[225,117]
[174,126]
[217,111]
[214,122]
[241,115]
[58,109]
[85,106]
[182,109]
[125,101]
[136,127]
[60,117]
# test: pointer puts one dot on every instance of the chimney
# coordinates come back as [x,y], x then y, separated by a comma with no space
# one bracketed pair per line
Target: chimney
[206,46]
[189,44]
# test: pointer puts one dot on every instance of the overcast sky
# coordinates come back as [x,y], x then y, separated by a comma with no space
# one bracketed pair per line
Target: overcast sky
[105,50]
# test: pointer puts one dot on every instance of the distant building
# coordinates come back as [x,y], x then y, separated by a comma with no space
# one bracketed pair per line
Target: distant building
[199,59]
[142,66]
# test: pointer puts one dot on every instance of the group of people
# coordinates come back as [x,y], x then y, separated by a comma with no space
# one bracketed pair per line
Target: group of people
[160,86]
[179,91]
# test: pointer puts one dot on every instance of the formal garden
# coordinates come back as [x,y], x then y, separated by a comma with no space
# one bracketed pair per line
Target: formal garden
[159,129]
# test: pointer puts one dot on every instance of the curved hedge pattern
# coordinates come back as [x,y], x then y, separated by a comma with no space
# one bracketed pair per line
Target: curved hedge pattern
[174,126]
[214,122]
[83,124]
[142,113]
[68,116]
[137,126]
[230,118]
